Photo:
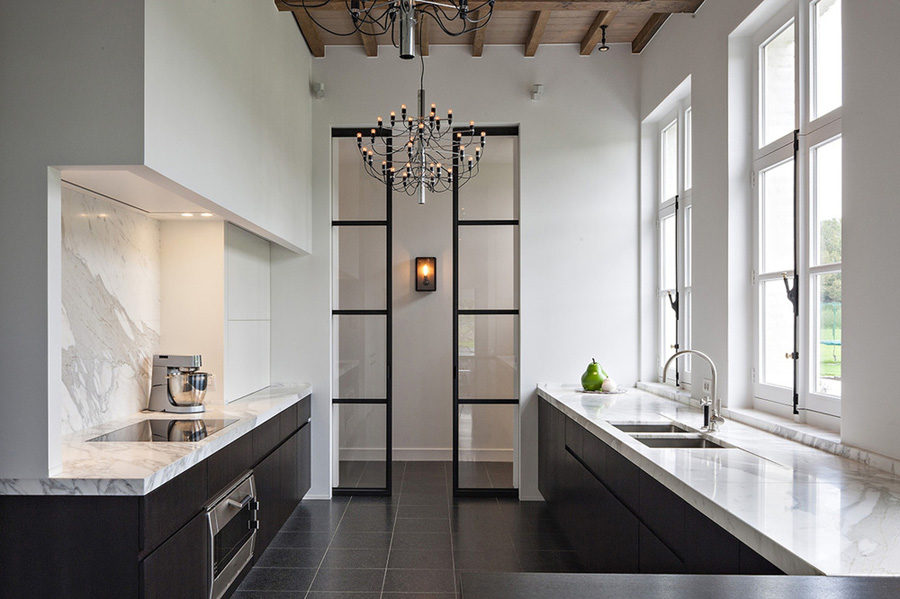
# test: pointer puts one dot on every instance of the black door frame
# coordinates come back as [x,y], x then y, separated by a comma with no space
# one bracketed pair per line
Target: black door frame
[347,132]
[506,131]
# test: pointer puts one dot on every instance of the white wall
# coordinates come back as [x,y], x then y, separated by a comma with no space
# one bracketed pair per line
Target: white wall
[192,295]
[579,161]
[72,82]
[870,415]
[227,110]
[247,313]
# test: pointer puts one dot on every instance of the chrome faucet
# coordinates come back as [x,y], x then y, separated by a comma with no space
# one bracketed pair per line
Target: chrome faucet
[712,421]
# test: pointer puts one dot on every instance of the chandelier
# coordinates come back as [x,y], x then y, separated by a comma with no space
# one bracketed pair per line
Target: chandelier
[419,153]
[400,17]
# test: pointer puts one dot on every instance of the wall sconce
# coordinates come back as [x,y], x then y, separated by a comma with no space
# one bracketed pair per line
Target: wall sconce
[426,274]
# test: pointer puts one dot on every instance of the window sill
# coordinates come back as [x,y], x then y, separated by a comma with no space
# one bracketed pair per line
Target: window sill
[804,434]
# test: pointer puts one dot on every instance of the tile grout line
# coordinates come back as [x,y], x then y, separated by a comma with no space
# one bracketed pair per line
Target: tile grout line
[330,541]
[393,530]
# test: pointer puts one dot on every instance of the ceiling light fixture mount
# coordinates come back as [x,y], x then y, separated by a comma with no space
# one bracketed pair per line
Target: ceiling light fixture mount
[398,18]
[603,46]
[421,153]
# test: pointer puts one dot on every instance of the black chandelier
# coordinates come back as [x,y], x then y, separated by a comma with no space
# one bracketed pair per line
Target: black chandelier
[419,153]
[400,17]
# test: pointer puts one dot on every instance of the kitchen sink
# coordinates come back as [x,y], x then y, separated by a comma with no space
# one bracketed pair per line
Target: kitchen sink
[680,442]
[651,428]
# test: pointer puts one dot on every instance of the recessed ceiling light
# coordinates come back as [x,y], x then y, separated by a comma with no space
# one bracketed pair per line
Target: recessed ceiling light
[206,214]
[187,214]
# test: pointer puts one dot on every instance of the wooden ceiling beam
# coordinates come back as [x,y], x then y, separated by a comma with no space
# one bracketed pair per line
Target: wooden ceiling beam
[478,40]
[537,32]
[646,34]
[661,6]
[369,42]
[310,34]
[595,32]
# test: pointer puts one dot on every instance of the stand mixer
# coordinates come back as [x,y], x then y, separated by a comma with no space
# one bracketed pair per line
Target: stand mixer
[177,385]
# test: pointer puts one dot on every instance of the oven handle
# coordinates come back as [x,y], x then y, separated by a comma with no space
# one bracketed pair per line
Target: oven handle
[240,504]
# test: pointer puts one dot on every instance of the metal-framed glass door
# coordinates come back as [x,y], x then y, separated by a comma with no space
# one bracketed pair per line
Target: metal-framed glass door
[361,324]
[486,322]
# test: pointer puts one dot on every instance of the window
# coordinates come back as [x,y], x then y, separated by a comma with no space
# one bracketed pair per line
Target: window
[826,68]
[674,229]
[798,208]
[777,75]
[669,169]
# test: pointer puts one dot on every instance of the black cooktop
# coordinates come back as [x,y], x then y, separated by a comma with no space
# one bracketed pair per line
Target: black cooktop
[167,431]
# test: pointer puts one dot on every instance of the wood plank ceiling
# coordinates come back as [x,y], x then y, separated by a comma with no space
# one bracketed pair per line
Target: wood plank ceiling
[528,23]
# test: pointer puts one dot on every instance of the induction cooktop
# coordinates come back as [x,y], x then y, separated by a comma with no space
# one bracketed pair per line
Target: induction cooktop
[167,431]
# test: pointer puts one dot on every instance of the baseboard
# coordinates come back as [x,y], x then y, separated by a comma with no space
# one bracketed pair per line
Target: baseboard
[426,454]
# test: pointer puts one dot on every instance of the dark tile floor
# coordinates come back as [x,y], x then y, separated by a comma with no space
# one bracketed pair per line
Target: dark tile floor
[411,545]
[356,474]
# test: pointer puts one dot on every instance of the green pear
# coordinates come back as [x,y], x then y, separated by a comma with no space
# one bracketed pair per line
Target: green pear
[593,377]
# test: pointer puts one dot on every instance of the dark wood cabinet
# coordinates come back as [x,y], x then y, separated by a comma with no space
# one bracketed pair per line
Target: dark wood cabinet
[228,463]
[157,545]
[268,489]
[621,519]
[170,506]
[179,568]
[304,449]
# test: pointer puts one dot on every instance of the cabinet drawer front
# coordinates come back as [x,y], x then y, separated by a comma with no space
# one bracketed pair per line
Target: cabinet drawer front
[266,437]
[228,463]
[305,410]
[168,508]
[288,421]
[179,568]
[304,459]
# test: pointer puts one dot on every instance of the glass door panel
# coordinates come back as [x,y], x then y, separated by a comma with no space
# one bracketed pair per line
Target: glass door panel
[360,262]
[492,194]
[354,194]
[488,356]
[361,439]
[488,259]
[487,446]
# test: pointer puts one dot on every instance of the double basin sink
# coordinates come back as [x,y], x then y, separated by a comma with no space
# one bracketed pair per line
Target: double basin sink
[668,435]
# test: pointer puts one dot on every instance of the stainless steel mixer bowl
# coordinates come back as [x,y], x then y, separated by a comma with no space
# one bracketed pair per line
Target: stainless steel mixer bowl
[188,388]
[187,430]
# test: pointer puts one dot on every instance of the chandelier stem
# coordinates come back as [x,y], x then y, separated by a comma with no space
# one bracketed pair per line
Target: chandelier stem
[407,30]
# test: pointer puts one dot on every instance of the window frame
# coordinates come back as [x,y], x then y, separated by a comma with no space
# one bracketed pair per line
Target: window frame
[813,133]
[666,208]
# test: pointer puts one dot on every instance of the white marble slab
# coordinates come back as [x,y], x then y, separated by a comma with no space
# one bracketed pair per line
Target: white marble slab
[805,510]
[125,468]
[110,309]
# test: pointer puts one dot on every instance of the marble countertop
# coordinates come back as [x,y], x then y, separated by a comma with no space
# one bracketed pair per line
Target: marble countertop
[805,510]
[137,468]
[539,585]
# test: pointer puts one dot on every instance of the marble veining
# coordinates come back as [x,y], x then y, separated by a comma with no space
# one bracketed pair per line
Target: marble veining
[801,433]
[805,510]
[110,308]
[124,468]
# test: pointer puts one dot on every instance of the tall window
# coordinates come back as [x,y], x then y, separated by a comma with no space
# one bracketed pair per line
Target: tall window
[798,207]
[674,226]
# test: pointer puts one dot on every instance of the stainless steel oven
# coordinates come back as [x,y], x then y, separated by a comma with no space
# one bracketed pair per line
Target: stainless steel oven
[233,520]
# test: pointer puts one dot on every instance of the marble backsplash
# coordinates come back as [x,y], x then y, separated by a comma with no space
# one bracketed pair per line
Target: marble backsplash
[111,308]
